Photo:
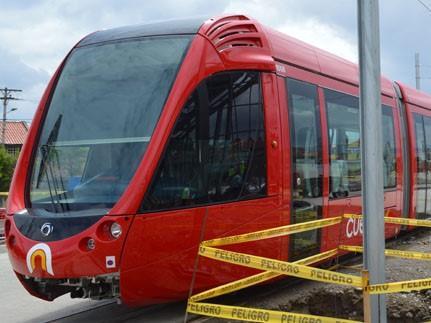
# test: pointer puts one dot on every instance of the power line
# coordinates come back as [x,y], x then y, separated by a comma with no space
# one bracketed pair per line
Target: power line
[427,7]
[7,95]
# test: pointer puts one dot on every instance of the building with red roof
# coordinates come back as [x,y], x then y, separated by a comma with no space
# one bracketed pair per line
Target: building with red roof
[15,135]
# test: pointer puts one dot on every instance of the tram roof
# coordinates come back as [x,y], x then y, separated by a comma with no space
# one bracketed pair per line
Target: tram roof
[298,53]
[413,96]
[168,27]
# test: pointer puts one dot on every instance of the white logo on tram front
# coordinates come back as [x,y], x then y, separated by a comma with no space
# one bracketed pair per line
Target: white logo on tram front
[354,227]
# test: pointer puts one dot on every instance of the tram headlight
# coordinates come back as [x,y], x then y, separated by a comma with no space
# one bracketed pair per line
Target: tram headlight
[91,244]
[116,230]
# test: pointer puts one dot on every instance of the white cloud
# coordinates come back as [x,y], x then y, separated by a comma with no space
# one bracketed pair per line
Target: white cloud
[323,36]
[281,15]
[16,74]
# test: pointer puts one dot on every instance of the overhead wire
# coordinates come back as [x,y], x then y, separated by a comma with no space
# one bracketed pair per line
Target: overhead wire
[426,6]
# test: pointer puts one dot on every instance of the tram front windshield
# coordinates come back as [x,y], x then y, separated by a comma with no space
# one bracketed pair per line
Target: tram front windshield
[100,120]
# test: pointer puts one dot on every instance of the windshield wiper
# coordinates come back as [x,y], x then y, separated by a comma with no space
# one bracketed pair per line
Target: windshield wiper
[47,169]
[46,166]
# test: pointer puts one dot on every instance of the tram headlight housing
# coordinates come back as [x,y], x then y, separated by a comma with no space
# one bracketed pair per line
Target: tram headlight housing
[116,230]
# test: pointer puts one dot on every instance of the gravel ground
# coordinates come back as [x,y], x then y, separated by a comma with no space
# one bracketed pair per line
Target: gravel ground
[346,302]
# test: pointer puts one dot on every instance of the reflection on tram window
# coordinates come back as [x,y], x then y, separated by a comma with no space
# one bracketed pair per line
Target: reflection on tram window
[216,151]
[389,149]
[307,171]
[343,134]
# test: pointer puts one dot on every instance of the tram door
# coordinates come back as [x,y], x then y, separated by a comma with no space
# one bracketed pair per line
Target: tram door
[423,165]
[306,161]
[342,111]
[343,118]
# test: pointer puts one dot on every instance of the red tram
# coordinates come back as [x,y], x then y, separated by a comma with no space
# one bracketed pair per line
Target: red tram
[149,139]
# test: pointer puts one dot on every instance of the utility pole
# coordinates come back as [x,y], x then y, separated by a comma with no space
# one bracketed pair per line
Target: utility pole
[6,97]
[418,71]
[371,156]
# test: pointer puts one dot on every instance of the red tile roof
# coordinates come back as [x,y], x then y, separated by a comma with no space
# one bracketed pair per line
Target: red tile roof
[15,133]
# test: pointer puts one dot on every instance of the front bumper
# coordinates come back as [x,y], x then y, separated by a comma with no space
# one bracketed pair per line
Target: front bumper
[68,263]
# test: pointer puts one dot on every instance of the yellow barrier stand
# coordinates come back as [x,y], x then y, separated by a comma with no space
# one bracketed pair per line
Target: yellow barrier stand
[366,296]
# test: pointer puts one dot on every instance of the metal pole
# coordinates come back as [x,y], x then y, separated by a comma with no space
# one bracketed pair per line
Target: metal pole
[3,128]
[7,95]
[418,71]
[371,151]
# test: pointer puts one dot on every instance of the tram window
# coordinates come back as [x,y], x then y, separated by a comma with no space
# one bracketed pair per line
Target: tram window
[344,143]
[389,149]
[307,171]
[423,177]
[216,152]
[343,134]
[306,143]
[427,128]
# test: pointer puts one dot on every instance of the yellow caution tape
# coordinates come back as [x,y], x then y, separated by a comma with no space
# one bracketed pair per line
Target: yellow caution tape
[273,268]
[393,220]
[392,253]
[256,279]
[405,221]
[352,216]
[257,315]
[397,287]
[281,267]
[234,286]
[272,233]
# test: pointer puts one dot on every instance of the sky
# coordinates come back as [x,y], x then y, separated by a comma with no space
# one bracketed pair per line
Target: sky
[35,35]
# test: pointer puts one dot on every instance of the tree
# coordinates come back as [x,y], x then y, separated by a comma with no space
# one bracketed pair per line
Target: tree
[7,164]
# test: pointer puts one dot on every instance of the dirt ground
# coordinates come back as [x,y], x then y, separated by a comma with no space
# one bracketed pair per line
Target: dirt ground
[346,302]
